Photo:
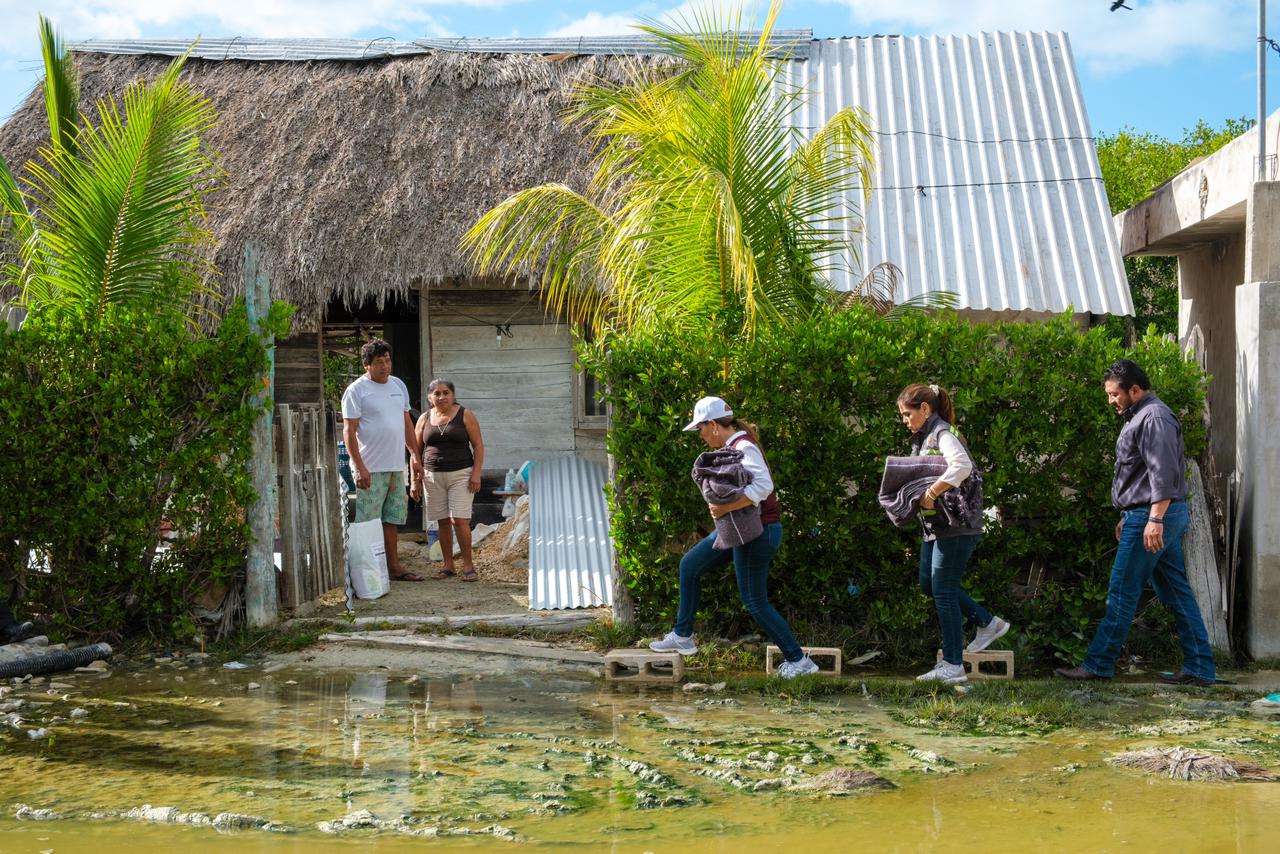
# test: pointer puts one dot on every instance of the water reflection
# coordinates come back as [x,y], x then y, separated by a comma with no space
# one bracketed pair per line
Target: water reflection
[571,761]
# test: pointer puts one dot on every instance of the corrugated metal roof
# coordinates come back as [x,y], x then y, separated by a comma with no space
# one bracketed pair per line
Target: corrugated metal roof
[793,44]
[987,181]
[570,551]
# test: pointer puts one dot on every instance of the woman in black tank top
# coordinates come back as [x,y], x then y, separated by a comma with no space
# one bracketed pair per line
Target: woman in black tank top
[453,459]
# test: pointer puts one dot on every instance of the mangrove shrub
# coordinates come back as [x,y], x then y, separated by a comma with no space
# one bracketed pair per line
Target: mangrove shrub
[1030,404]
[124,444]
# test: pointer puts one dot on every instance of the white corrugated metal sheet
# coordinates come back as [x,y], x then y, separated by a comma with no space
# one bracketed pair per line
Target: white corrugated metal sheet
[570,551]
[987,181]
[793,44]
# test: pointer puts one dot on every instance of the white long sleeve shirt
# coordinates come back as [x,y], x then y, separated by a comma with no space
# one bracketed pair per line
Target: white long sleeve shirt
[761,485]
[959,465]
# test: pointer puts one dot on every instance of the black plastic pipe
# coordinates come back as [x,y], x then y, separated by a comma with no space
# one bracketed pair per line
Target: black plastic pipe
[52,662]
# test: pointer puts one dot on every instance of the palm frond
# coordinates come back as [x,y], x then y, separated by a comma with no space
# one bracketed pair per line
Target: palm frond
[923,303]
[61,91]
[562,241]
[706,203]
[125,209]
[878,290]
[19,229]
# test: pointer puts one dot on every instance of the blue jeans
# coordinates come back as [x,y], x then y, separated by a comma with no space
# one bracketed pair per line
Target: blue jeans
[942,562]
[751,564]
[1133,568]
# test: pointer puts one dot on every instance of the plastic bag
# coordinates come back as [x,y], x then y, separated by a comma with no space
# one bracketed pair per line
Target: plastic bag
[367,559]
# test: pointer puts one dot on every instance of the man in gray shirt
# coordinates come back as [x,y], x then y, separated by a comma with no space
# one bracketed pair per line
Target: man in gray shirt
[376,429]
[1148,487]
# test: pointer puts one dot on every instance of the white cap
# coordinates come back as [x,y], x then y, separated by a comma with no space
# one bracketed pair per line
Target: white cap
[708,409]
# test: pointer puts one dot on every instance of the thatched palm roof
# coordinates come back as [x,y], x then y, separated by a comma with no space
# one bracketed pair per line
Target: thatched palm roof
[356,178]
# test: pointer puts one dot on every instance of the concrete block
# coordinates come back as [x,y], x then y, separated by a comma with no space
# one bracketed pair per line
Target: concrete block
[643,665]
[828,659]
[999,664]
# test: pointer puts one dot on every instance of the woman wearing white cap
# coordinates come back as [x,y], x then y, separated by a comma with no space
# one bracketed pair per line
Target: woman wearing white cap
[717,426]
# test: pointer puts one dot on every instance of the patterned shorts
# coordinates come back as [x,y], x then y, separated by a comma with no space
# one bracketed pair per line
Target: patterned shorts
[385,499]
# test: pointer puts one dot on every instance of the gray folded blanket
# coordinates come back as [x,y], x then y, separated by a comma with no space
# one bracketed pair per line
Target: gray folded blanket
[904,482]
[721,477]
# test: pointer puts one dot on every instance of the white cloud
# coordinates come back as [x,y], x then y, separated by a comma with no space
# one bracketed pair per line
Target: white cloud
[1154,32]
[84,19]
[684,15]
[597,24]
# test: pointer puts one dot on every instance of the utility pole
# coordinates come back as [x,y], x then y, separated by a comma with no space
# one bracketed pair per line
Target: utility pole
[262,598]
[1262,91]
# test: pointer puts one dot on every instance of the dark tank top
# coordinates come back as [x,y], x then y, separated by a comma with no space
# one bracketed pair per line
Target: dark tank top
[447,448]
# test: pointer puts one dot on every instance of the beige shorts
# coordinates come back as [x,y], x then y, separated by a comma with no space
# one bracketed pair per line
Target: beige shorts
[447,494]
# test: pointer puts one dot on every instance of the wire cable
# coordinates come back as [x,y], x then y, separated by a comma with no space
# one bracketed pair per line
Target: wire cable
[970,141]
[920,188]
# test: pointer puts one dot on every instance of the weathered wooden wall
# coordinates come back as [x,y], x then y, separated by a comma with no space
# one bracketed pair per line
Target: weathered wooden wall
[312,555]
[520,387]
[299,370]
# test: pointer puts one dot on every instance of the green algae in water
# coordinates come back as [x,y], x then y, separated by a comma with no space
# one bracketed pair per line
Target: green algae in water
[571,761]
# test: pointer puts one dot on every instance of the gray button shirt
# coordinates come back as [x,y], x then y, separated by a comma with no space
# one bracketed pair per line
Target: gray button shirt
[1150,466]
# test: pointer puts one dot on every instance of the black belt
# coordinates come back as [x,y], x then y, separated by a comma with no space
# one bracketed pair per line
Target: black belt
[1147,505]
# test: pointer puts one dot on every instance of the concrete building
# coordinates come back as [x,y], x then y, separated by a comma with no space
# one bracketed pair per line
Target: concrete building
[1224,227]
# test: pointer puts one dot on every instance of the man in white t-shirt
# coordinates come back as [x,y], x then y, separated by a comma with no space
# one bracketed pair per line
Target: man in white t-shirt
[377,428]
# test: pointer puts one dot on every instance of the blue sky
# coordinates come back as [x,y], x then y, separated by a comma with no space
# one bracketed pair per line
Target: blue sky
[1158,67]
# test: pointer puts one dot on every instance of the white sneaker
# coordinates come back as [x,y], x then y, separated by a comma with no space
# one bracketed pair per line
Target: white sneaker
[987,635]
[947,674]
[792,669]
[674,643]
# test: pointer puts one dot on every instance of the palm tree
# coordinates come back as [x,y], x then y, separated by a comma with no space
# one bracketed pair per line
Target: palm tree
[707,204]
[112,212]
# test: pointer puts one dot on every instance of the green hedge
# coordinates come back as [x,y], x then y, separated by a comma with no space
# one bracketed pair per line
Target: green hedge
[1030,404]
[112,430]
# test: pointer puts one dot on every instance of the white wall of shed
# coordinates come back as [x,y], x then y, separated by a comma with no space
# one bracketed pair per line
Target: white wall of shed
[520,388]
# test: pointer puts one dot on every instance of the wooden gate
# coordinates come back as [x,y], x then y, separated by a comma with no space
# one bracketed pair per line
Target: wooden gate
[311,550]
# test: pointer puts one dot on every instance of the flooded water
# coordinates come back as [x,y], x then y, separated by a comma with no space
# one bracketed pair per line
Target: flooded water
[575,764]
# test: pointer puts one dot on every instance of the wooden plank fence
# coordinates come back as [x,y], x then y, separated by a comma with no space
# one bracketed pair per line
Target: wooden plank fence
[312,555]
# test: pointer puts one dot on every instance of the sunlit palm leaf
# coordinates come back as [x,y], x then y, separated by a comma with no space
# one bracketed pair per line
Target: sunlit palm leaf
[61,92]
[124,204]
[707,203]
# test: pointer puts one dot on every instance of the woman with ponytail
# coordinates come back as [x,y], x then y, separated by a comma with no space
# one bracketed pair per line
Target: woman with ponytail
[735,466]
[927,411]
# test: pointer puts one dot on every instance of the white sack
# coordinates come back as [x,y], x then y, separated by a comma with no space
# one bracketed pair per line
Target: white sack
[367,560]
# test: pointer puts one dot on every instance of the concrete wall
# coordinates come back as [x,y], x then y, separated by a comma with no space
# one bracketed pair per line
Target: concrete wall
[1207,277]
[1257,305]
[1258,462]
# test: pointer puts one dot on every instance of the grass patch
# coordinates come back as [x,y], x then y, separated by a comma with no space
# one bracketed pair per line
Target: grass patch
[604,635]
[714,658]
[1035,708]
[290,638]
[1000,707]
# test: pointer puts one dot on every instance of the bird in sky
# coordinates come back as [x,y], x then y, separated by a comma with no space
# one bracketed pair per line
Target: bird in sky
[1119,4]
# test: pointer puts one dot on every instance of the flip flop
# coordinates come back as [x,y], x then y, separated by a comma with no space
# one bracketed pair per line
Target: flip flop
[408,575]
[442,574]
[470,575]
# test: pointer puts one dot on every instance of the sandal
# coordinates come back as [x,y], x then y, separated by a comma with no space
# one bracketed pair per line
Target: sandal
[470,575]
[442,574]
[407,575]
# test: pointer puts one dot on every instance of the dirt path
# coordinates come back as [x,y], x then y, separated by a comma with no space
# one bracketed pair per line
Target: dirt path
[503,587]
